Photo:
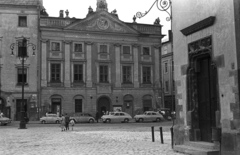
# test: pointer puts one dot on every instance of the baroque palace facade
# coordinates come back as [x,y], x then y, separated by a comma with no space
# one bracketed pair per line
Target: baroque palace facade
[98,63]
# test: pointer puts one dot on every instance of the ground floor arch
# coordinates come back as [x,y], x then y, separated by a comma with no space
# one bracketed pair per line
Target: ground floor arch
[103,104]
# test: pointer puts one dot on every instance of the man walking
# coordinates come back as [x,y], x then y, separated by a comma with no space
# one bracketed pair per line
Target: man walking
[67,120]
[97,116]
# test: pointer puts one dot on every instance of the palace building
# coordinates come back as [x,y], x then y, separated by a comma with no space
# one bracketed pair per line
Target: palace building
[98,63]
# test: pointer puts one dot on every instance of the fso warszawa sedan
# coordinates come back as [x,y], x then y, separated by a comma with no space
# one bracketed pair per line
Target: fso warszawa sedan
[4,120]
[50,118]
[82,118]
[149,116]
[116,117]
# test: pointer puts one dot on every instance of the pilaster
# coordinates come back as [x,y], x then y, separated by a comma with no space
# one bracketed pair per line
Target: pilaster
[89,63]
[67,67]
[118,64]
[44,63]
[136,65]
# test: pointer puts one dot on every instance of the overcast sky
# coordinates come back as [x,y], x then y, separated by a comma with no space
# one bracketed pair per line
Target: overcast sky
[126,9]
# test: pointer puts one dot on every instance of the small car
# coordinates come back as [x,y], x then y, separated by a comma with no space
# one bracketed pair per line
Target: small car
[82,118]
[149,116]
[4,120]
[116,117]
[50,118]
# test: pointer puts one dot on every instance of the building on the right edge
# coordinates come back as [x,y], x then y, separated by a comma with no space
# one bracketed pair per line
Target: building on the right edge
[206,47]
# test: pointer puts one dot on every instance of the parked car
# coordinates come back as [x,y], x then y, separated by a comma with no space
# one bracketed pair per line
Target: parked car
[149,116]
[50,118]
[4,120]
[116,117]
[82,118]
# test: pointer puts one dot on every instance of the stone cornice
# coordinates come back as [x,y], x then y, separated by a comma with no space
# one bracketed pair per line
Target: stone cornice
[198,26]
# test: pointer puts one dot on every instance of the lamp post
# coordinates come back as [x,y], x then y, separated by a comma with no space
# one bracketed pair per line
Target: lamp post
[22,45]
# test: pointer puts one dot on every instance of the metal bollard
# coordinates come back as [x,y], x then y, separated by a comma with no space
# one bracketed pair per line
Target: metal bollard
[153,134]
[172,135]
[161,135]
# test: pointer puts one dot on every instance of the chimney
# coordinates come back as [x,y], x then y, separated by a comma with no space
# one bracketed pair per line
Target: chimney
[61,15]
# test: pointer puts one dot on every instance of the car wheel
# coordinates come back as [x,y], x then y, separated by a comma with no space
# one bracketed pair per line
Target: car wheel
[108,121]
[126,120]
[158,119]
[43,122]
[141,120]
[91,121]
[57,121]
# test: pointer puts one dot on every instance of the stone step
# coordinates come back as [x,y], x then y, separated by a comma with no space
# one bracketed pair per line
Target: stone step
[191,150]
[206,145]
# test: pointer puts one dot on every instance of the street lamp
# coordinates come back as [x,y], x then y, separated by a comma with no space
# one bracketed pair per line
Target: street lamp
[22,45]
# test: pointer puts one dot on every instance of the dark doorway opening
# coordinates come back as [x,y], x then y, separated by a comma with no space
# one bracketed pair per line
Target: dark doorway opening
[56,106]
[103,105]
[19,106]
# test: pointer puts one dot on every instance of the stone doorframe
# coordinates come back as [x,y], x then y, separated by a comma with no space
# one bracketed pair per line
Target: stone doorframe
[196,50]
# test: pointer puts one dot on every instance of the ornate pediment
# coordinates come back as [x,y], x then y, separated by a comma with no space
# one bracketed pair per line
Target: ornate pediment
[101,21]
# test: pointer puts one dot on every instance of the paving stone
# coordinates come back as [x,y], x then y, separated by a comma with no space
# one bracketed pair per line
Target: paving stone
[50,140]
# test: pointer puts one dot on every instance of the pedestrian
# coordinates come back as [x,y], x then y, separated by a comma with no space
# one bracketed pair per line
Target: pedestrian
[67,120]
[63,123]
[97,116]
[72,123]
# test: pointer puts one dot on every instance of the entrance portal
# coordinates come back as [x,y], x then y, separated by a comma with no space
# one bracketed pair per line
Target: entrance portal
[202,91]
[103,105]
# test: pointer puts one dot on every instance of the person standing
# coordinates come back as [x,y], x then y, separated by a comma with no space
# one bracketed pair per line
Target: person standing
[63,123]
[67,120]
[97,116]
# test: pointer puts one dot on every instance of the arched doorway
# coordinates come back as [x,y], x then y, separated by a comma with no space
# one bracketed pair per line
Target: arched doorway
[56,105]
[103,105]
[202,91]
[128,104]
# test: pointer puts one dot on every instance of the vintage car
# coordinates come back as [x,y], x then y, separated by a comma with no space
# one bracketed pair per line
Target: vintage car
[82,118]
[149,116]
[116,117]
[4,120]
[50,118]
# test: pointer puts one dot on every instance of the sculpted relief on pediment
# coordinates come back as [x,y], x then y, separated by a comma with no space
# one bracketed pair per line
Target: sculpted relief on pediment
[100,24]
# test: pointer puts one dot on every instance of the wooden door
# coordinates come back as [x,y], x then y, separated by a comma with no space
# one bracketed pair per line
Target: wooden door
[205,107]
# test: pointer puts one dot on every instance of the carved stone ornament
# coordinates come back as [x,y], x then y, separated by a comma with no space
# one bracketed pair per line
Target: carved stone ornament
[102,23]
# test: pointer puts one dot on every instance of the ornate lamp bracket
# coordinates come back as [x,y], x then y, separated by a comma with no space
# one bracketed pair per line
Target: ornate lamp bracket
[162,5]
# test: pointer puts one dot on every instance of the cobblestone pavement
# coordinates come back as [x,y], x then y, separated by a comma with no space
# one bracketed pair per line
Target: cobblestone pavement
[50,140]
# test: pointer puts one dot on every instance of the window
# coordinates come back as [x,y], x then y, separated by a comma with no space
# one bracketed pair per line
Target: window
[166,86]
[78,73]
[146,51]
[22,75]
[78,48]
[55,46]
[166,67]
[78,105]
[22,21]
[103,74]
[22,49]
[146,74]
[103,48]
[127,74]
[126,49]
[173,85]
[55,72]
